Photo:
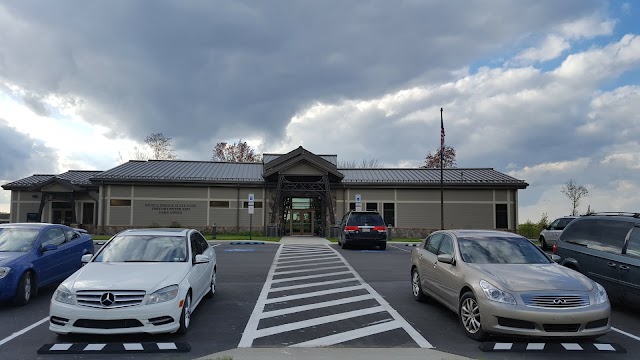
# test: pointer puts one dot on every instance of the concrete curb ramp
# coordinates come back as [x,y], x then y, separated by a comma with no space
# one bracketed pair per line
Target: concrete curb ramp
[334,353]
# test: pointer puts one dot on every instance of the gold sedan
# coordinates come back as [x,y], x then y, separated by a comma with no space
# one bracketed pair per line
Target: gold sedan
[499,283]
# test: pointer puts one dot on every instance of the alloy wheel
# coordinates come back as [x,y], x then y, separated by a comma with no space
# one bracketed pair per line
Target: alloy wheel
[416,283]
[470,315]
[27,287]
[187,311]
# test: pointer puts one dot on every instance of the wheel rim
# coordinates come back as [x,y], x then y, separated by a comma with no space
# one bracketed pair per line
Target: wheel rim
[187,311]
[416,284]
[213,283]
[27,287]
[470,315]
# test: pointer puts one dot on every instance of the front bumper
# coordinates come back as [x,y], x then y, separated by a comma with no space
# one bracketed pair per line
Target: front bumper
[522,320]
[114,318]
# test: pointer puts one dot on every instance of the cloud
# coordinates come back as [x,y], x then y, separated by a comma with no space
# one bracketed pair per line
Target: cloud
[587,27]
[552,47]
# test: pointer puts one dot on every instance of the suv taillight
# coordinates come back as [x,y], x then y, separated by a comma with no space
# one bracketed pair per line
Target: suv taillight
[555,248]
[350,228]
[380,228]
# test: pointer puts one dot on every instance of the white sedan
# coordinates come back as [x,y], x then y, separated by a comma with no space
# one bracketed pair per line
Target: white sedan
[141,281]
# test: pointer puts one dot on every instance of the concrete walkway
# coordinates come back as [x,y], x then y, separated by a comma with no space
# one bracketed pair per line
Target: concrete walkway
[304,240]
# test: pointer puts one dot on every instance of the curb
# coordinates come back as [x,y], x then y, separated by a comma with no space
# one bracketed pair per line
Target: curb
[247,243]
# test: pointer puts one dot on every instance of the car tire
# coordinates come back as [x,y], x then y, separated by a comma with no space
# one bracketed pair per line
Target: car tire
[383,246]
[469,316]
[416,287]
[344,245]
[212,286]
[185,317]
[543,243]
[25,289]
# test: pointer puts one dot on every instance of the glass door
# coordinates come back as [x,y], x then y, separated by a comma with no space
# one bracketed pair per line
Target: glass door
[301,222]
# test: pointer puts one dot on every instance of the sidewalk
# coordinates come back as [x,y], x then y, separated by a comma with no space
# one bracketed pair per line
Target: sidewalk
[332,353]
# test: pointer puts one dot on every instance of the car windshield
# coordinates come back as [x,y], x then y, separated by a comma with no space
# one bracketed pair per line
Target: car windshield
[144,248]
[500,250]
[17,240]
[365,219]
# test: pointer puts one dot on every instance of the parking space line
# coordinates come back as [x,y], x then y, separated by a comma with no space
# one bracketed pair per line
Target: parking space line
[314,294]
[308,285]
[625,333]
[323,258]
[317,321]
[314,264]
[16,334]
[297,252]
[395,247]
[295,309]
[350,335]
[297,256]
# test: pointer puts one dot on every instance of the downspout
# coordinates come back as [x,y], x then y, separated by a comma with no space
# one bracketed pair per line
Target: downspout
[238,212]
[104,208]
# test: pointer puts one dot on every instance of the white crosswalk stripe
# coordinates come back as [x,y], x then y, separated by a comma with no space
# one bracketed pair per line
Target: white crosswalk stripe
[314,300]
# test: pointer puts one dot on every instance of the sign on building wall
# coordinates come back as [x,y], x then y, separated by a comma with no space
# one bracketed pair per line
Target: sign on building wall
[169,208]
[358,202]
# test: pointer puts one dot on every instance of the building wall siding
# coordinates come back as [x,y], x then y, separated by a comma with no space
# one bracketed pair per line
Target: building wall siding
[303,168]
[120,190]
[468,195]
[501,195]
[14,195]
[28,196]
[257,218]
[418,195]
[173,192]
[27,207]
[418,215]
[222,217]
[373,195]
[224,193]
[120,215]
[55,188]
[244,194]
[469,216]
[14,212]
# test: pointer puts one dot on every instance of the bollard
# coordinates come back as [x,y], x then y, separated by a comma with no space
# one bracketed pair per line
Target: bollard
[389,234]
[214,231]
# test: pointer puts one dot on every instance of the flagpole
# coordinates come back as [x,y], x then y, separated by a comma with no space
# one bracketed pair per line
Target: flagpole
[441,170]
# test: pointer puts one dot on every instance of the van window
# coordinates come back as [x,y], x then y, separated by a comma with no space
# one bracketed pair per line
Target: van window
[633,248]
[370,219]
[598,234]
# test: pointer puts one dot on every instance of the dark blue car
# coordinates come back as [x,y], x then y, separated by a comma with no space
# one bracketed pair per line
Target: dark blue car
[33,255]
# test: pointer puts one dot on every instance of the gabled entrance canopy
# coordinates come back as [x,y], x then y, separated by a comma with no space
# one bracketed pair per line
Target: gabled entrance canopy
[301,162]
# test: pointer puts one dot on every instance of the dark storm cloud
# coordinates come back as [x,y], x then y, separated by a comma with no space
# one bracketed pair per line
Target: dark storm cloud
[22,156]
[206,71]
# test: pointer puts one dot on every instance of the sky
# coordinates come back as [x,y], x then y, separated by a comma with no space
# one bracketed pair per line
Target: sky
[544,91]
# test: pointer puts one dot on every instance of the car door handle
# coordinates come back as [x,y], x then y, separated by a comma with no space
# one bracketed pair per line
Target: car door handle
[612,264]
[624,268]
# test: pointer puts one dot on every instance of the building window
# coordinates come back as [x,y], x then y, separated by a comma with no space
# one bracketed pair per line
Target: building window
[501,216]
[256,205]
[372,206]
[120,202]
[352,206]
[87,213]
[33,217]
[389,213]
[219,204]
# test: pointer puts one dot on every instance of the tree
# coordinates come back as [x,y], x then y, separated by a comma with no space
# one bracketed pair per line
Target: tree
[364,164]
[156,147]
[575,193]
[160,146]
[236,152]
[432,161]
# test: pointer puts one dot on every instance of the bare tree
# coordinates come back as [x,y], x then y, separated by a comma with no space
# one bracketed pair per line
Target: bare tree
[432,161]
[160,146]
[364,164]
[575,193]
[236,152]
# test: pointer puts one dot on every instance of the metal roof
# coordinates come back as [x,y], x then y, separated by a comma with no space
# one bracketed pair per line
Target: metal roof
[177,170]
[79,177]
[28,181]
[266,158]
[420,176]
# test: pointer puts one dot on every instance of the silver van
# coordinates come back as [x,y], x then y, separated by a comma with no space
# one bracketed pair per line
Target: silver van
[606,248]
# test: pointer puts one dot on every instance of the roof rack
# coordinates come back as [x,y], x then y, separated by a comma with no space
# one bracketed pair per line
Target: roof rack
[615,213]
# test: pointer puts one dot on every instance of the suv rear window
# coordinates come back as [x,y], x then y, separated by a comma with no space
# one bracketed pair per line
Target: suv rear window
[369,219]
[598,234]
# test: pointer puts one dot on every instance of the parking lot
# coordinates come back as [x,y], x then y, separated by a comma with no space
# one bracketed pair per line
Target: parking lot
[273,295]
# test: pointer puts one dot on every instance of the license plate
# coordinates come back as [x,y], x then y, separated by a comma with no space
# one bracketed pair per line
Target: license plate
[366,230]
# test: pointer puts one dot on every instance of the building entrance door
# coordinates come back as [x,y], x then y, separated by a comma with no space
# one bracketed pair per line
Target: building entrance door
[62,216]
[301,222]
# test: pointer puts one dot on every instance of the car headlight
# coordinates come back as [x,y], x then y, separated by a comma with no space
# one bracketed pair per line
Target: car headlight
[494,294]
[63,295]
[4,271]
[165,294]
[601,295]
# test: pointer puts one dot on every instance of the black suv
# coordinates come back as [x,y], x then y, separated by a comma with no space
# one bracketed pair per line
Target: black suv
[363,228]
[606,248]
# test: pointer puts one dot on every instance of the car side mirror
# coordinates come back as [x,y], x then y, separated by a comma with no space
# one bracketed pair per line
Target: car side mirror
[86,258]
[555,258]
[446,258]
[201,259]
[48,247]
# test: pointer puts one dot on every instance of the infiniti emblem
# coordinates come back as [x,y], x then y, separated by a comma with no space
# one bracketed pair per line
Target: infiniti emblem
[107,299]
[559,301]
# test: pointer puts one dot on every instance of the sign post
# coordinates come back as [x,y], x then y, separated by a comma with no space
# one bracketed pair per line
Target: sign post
[251,209]
[358,202]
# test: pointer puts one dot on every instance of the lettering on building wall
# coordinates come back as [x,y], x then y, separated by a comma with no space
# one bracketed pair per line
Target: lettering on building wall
[170,208]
